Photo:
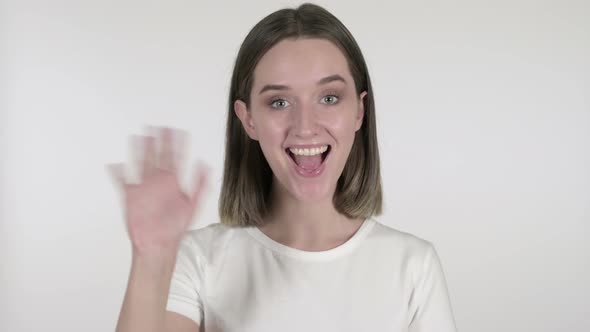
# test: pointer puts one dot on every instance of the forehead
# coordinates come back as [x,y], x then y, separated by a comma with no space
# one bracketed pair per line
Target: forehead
[301,61]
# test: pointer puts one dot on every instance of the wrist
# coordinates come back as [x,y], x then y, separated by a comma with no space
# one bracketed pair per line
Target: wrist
[154,259]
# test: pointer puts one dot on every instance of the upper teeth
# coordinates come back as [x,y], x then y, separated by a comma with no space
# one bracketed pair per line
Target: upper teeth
[309,152]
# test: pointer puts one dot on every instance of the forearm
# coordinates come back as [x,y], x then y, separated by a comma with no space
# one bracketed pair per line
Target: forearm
[144,305]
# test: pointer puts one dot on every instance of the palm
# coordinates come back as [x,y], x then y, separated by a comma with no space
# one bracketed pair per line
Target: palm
[157,211]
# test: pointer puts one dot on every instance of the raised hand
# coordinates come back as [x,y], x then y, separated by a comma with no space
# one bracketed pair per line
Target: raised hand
[157,211]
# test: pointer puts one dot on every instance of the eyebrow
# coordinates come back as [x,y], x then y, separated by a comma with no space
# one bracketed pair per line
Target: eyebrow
[324,80]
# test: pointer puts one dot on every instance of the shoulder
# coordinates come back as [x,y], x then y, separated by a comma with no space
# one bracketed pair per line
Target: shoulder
[209,233]
[405,250]
[207,241]
[400,240]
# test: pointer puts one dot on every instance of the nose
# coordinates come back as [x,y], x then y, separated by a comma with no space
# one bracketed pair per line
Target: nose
[304,122]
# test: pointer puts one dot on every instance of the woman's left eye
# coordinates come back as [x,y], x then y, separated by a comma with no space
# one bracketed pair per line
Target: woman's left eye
[330,99]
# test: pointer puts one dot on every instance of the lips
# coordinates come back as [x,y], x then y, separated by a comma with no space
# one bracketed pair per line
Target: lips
[324,155]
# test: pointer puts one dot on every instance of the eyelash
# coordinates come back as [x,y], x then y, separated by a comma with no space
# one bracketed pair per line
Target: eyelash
[277,99]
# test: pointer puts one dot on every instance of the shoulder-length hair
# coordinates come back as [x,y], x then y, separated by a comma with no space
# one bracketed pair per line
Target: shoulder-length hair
[247,177]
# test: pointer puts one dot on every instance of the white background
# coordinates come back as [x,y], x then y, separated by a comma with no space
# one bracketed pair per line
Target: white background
[483,110]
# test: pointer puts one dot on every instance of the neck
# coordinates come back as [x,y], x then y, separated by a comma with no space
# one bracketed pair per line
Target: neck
[305,225]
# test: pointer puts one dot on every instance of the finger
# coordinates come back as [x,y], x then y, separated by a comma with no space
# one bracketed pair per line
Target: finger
[117,172]
[201,177]
[165,158]
[140,155]
[148,167]
[180,140]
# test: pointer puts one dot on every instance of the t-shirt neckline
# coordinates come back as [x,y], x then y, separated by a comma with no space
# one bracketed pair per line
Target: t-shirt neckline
[342,249]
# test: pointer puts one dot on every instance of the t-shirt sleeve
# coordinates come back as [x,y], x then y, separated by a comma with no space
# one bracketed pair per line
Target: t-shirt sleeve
[185,287]
[430,307]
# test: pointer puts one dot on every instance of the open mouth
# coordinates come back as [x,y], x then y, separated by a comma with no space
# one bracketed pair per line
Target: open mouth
[309,162]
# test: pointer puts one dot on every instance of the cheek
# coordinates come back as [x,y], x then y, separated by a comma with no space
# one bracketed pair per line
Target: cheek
[342,125]
[270,132]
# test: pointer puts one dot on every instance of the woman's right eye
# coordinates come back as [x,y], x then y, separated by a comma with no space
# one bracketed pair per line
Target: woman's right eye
[279,103]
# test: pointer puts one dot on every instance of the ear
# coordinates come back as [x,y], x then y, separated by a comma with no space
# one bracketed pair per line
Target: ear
[361,111]
[245,117]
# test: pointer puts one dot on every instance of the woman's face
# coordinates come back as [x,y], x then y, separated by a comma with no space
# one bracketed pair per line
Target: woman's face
[304,112]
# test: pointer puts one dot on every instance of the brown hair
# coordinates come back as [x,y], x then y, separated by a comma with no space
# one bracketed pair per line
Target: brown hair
[247,177]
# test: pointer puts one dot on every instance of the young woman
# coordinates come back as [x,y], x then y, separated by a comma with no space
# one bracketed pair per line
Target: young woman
[297,248]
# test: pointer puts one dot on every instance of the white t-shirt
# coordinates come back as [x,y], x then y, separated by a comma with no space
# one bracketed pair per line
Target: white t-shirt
[238,279]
